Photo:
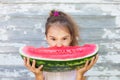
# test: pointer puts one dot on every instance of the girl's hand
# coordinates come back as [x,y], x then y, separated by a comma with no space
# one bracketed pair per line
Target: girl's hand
[88,65]
[37,71]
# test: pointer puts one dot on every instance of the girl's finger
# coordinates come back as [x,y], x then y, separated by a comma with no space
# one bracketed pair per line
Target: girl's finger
[40,67]
[96,58]
[25,61]
[33,63]
[92,62]
[86,65]
[28,62]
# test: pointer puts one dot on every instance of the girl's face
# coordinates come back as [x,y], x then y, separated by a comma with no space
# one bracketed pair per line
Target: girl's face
[58,36]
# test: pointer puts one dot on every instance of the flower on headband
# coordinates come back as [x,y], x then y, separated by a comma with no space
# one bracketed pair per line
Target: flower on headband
[56,13]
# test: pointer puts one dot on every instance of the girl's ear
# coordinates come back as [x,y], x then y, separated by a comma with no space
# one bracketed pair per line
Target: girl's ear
[46,37]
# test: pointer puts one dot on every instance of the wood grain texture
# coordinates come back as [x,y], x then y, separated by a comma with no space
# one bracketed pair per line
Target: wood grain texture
[22,23]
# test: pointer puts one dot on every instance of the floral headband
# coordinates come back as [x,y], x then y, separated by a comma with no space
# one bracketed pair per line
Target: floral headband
[56,13]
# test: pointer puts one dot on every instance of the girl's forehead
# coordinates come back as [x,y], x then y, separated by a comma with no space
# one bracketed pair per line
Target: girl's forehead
[59,28]
[60,31]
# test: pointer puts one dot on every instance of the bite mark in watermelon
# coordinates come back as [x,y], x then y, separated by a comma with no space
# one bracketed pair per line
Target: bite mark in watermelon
[60,58]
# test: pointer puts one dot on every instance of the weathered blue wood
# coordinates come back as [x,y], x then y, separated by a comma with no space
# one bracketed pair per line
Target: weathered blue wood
[38,21]
[22,23]
[62,1]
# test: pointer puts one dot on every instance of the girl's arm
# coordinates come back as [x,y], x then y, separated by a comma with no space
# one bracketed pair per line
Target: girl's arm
[88,65]
[39,77]
[81,77]
[37,71]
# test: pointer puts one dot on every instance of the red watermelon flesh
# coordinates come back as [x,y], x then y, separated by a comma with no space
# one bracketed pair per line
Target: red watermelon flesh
[60,53]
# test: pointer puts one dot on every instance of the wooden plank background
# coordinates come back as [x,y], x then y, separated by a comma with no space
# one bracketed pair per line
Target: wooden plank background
[22,23]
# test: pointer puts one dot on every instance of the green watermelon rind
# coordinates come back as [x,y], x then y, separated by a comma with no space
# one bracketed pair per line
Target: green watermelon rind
[60,66]
[53,66]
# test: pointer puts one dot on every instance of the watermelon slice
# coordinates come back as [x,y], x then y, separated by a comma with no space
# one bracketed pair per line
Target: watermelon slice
[60,58]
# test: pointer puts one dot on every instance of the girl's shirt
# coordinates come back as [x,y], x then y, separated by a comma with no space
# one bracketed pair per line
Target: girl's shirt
[68,75]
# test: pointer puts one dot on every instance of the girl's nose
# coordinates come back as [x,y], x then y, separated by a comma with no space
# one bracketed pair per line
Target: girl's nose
[59,44]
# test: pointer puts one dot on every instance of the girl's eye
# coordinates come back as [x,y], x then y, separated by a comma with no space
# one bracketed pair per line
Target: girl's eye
[64,38]
[53,39]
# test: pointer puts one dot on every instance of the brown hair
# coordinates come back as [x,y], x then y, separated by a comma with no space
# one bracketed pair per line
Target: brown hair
[66,21]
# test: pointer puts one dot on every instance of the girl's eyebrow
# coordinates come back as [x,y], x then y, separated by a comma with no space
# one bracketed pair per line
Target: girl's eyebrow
[63,36]
[51,36]
[66,36]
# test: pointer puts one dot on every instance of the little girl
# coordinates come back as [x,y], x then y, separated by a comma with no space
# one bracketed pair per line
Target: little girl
[60,30]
